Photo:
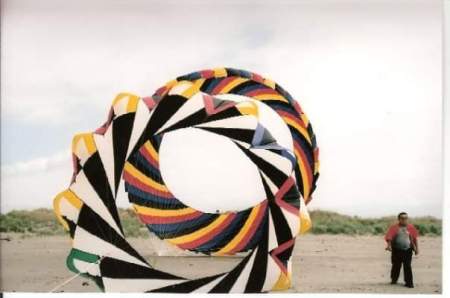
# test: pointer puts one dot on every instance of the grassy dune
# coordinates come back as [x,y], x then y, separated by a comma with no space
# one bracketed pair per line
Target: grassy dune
[43,222]
[325,222]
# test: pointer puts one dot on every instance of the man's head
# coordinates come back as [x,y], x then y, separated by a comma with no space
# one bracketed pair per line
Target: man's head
[403,218]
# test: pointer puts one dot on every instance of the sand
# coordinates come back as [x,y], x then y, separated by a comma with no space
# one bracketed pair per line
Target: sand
[321,264]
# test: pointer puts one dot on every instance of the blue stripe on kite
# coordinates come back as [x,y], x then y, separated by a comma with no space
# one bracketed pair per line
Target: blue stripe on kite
[249,88]
[238,73]
[151,198]
[284,93]
[257,236]
[277,106]
[245,74]
[173,230]
[156,174]
[212,85]
[235,223]
[190,77]
[301,140]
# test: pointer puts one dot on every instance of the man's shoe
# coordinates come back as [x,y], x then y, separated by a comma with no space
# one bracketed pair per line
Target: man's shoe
[409,286]
[393,282]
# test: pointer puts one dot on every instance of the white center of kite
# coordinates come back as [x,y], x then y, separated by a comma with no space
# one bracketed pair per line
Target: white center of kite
[209,173]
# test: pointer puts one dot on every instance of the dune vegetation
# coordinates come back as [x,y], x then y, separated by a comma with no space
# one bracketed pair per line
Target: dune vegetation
[325,222]
[43,222]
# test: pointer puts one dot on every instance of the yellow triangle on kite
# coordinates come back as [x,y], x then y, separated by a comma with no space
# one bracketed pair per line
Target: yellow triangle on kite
[283,283]
[305,219]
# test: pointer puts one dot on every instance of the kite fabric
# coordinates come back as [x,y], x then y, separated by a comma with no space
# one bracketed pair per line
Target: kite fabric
[126,148]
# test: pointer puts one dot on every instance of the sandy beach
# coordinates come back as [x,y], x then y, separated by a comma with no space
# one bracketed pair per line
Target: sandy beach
[321,264]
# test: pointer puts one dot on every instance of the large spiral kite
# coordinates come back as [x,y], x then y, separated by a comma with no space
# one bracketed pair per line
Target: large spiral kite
[127,148]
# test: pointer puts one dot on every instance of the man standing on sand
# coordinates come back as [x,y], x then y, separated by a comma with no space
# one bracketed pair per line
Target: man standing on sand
[401,240]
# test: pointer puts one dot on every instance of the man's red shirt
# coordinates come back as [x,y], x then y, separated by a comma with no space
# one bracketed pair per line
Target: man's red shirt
[393,230]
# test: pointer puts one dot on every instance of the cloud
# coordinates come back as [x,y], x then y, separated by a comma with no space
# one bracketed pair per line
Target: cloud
[38,165]
[34,183]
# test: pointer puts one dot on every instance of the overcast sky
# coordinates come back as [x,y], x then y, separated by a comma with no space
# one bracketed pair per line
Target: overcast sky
[367,73]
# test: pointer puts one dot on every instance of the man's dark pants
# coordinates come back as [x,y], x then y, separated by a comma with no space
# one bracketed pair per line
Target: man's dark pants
[398,258]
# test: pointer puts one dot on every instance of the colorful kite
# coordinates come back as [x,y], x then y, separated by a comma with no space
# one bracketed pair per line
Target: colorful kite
[226,105]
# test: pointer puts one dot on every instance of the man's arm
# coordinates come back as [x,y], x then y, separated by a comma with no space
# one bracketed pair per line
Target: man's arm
[416,241]
[414,235]
[388,245]
[388,237]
